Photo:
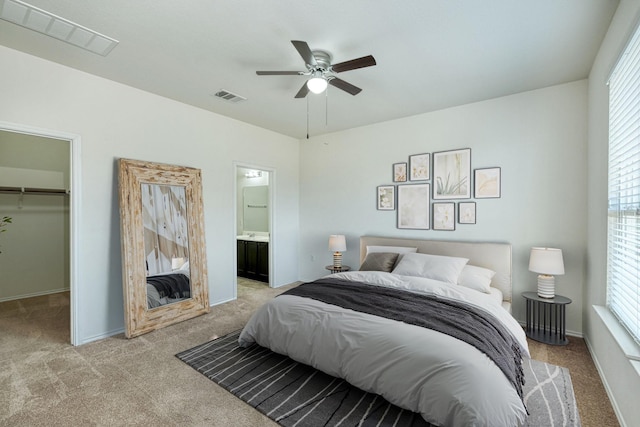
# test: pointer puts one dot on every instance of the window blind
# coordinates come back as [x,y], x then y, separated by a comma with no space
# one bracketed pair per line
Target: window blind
[623,255]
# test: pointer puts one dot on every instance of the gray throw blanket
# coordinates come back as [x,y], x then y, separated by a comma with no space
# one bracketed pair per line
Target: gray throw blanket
[457,319]
[171,285]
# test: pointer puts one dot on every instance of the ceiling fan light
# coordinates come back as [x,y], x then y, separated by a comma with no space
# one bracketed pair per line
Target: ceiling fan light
[317,84]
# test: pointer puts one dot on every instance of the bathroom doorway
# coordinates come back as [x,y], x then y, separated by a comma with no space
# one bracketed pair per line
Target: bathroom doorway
[254,243]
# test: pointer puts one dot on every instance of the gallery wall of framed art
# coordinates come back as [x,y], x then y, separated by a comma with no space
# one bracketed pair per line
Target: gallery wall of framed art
[432,191]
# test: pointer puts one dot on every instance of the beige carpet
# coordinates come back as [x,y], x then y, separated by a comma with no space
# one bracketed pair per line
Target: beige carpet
[44,381]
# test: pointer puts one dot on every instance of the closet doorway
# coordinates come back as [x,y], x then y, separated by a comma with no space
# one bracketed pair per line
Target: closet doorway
[37,246]
[254,221]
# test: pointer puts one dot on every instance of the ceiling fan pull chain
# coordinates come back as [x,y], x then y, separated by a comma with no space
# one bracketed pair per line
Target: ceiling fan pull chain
[326,107]
[307,117]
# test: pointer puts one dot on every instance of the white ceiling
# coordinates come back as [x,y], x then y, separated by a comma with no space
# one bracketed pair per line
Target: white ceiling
[431,54]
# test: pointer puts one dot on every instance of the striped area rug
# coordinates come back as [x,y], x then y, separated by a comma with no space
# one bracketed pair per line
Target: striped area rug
[294,394]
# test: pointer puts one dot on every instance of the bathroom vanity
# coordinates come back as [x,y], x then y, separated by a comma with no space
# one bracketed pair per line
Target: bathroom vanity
[253,257]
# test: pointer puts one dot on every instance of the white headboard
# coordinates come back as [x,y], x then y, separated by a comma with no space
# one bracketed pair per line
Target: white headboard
[494,256]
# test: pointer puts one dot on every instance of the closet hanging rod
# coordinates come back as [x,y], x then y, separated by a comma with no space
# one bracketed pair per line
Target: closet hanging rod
[27,190]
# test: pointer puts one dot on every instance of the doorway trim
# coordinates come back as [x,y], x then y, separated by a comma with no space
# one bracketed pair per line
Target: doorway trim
[74,210]
[272,228]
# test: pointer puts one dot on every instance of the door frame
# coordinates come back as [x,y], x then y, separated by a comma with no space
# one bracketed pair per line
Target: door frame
[74,209]
[272,231]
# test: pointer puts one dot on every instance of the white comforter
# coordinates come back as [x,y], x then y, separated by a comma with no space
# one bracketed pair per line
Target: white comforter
[448,381]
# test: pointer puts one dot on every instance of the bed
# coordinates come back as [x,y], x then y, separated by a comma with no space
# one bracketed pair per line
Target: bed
[391,329]
[168,287]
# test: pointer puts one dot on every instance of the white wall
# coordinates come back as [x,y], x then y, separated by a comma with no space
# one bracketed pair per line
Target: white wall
[35,246]
[621,379]
[538,138]
[116,121]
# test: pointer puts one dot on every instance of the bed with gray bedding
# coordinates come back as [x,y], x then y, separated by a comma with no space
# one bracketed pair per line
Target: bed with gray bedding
[457,365]
[167,288]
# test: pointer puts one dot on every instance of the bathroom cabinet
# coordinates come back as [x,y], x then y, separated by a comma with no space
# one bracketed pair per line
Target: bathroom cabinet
[253,260]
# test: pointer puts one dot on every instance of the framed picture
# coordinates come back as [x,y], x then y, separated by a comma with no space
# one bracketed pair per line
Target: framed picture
[466,212]
[419,169]
[386,197]
[413,206]
[400,172]
[444,216]
[452,174]
[487,183]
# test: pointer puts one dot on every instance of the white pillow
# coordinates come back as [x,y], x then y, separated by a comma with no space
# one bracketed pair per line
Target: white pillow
[444,268]
[477,278]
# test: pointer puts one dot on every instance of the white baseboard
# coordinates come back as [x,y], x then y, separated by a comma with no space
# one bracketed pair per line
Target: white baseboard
[616,409]
[575,334]
[102,336]
[214,303]
[34,294]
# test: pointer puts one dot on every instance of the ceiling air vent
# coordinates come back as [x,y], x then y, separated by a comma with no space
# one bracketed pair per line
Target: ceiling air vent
[44,22]
[228,96]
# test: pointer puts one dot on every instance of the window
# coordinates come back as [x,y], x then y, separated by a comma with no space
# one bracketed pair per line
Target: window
[623,260]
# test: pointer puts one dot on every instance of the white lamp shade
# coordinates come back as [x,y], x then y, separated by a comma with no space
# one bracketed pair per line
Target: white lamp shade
[546,261]
[317,84]
[337,243]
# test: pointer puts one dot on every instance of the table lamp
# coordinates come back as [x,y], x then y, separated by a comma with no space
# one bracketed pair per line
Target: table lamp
[337,245]
[547,262]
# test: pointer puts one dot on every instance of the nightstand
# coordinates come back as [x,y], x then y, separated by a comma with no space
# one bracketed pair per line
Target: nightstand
[333,269]
[546,318]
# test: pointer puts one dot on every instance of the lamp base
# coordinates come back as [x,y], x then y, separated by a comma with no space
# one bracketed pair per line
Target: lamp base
[546,286]
[337,260]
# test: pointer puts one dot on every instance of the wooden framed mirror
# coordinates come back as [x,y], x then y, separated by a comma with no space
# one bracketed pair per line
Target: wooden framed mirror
[163,246]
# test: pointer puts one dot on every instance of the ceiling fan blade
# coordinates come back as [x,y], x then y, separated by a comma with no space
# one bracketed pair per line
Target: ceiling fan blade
[347,87]
[279,73]
[305,52]
[365,61]
[304,90]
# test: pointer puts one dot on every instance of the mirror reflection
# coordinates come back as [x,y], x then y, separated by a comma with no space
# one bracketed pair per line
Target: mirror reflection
[255,208]
[166,244]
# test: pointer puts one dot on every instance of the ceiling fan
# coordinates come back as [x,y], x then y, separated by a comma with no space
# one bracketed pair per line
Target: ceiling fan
[318,63]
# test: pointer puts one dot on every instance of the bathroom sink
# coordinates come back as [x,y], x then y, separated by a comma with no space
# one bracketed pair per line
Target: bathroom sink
[251,238]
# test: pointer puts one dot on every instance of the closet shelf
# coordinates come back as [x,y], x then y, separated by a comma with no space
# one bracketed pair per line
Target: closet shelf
[29,190]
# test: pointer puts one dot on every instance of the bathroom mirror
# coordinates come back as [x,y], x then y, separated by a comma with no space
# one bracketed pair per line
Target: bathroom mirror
[163,245]
[255,208]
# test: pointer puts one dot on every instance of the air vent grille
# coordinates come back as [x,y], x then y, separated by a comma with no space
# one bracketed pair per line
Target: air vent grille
[228,96]
[44,22]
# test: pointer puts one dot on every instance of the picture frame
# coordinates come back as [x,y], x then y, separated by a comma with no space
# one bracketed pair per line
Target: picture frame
[400,172]
[413,206]
[487,183]
[386,197]
[452,174]
[420,167]
[444,217]
[466,212]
